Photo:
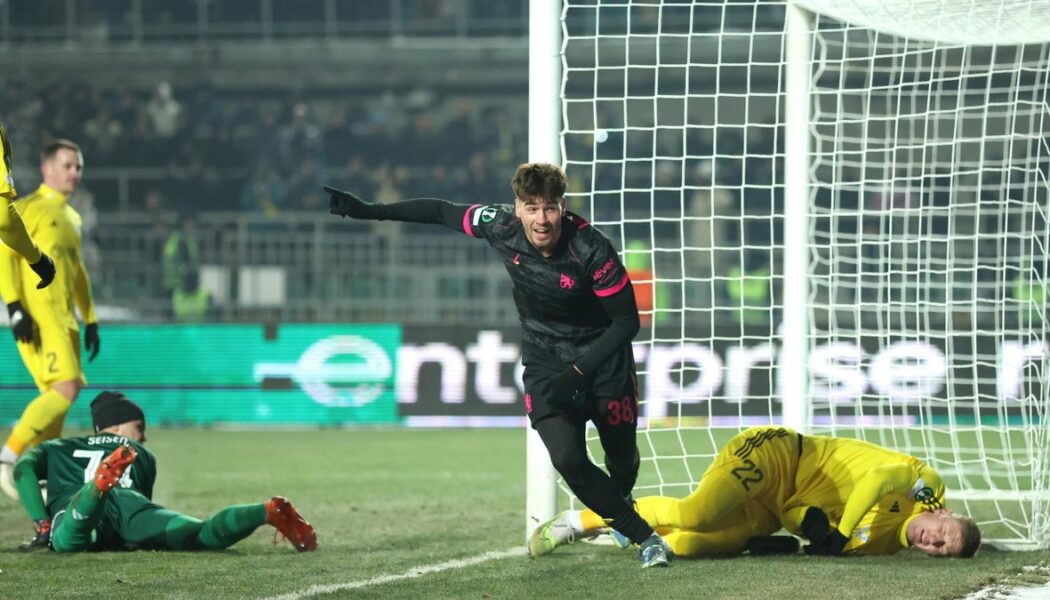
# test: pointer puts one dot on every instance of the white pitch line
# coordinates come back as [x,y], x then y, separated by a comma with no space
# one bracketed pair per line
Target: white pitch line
[412,573]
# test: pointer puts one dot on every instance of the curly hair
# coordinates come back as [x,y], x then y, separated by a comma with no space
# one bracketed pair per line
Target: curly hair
[534,181]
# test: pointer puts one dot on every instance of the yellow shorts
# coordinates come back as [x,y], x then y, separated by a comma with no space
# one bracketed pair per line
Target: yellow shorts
[53,357]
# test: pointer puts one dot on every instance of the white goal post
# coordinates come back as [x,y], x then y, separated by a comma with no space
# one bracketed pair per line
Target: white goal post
[844,209]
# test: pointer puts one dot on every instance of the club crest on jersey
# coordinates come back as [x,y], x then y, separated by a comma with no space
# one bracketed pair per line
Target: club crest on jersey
[566,282]
[924,495]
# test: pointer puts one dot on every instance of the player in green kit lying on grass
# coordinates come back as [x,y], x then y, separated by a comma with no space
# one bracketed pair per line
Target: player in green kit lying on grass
[99,490]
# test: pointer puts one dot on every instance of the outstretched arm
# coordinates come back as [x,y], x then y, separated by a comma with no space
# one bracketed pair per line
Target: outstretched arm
[417,210]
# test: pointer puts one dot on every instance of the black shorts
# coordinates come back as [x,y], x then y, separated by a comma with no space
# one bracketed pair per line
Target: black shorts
[611,395]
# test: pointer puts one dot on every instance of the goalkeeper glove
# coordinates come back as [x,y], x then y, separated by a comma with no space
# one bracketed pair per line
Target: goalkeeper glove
[346,204]
[563,390]
[21,322]
[824,540]
[91,342]
[45,269]
[832,545]
[41,539]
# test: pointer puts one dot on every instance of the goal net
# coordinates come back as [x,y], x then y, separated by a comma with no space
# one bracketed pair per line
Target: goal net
[836,216]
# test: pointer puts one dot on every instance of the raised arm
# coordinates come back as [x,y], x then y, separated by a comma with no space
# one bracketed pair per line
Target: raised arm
[417,210]
[12,229]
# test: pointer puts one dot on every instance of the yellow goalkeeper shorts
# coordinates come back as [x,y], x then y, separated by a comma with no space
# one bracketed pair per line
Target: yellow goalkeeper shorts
[53,357]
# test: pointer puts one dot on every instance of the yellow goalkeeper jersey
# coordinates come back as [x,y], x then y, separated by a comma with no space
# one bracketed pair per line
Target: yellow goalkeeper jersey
[869,492]
[55,226]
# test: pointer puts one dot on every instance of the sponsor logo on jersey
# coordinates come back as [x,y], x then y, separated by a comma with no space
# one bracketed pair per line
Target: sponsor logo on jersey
[896,508]
[566,282]
[604,270]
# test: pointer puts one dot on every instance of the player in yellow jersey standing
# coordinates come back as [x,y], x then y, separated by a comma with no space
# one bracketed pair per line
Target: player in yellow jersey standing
[12,229]
[43,321]
[845,496]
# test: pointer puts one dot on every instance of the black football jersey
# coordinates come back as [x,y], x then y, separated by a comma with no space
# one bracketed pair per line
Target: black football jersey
[556,296]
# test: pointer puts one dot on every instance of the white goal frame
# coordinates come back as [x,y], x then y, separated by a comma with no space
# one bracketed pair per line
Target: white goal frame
[548,128]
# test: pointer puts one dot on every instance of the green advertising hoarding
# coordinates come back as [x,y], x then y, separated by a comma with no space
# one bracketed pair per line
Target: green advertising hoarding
[317,374]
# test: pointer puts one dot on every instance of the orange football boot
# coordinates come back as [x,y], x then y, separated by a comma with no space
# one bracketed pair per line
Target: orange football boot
[112,468]
[282,515]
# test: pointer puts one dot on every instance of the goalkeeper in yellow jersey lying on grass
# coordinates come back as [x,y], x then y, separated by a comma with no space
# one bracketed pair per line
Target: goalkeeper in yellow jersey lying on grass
[844,496]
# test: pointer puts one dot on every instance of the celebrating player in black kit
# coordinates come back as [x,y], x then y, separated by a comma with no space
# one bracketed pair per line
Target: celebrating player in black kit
[578,316]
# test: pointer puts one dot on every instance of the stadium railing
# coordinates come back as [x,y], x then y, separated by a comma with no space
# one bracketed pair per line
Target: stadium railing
[308,267]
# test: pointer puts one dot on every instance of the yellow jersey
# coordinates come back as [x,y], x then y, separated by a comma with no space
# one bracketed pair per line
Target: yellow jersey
[55,225]
[7,182]
[869,492]
[12,230]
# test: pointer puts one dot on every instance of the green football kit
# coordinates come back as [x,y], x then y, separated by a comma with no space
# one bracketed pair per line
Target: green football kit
[83,518]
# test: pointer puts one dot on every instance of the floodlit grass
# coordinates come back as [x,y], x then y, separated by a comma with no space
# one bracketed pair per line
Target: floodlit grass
[387,500]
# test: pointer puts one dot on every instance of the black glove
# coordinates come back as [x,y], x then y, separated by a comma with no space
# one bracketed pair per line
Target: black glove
[824,540]
[563,389]
[815,525]
[91,341]
[40,539]
[21,322]
[832,545]
[346,204]
[45,269]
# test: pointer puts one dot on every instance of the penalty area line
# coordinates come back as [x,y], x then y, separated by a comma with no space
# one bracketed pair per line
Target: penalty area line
[412,573]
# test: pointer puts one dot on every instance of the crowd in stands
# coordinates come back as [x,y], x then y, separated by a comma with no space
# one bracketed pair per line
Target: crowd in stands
[165,150]
[207,149]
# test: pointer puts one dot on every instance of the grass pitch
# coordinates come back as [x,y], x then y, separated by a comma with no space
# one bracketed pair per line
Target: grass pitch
[386,501]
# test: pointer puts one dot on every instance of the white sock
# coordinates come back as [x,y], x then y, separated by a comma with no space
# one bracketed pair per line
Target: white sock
[8,455]
[575,520]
